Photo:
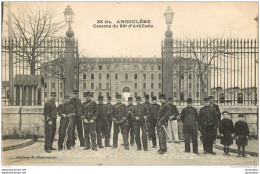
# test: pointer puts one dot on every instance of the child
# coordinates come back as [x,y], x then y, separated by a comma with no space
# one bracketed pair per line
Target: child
[226,130]
[242,133]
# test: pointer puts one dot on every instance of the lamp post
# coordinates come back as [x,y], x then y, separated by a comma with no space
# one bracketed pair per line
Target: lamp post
[69,53]
[167,56]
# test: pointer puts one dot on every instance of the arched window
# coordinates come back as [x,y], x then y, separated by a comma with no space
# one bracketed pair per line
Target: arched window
[92,76]
[84,85]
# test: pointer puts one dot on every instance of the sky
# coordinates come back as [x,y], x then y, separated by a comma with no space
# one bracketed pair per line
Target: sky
[191,20]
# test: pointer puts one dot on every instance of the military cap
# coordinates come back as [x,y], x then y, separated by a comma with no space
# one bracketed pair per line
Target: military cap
[109,98]
[211,97]
[88,94]
[162,96]
[241,115]
[154,98]
[100,97]
[118,96]
[130,98]
[225,112]
[146,96]
[189,100]
[138,98]
[75,91]
[66,97]
[206,99]
[53,93]
[170,99]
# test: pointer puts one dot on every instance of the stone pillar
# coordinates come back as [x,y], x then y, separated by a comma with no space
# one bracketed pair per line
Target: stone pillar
[167,62]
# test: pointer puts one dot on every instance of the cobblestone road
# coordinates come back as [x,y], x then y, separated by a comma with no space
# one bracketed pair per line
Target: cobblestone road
[35,155]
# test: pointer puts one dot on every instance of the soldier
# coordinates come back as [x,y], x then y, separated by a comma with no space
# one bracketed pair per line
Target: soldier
[110,111]
[147,104]
[89,109]
[130,123]
[102,123]
[119,119]
[66,111]
[163,115]
[212,103]
[50,114]
[189,117]
[173,123]
[140,118]
[153,116]
[77,122]
[207,125]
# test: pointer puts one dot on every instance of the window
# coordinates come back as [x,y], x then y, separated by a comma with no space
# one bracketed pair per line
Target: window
[135,85]
[152,76]
[100,93]
[135,76]
[92,85]
[100,85]
[175,94]
[61,94]
[152,85]
[135,94]
[159,93]
[182,76]
[135,67]
[107,85]
[144,76]
[53,85]
[159,76]
[84,85]
[45,85]
[174,86]
[189,85]
[198,76]
[100,67]
[116,94]
[116,76]
[107,76]
[152,94]
[126,76]
[8,94]
[144,85]
[190,76]
[190,94]
[108,67]
[159,85]
[152,67]
[92,94]
[100,76]
[107,94]
[45,94]
[197,94]
[92,76]
[92,67]
[84,76]
[116,67]
[144,93]
[159,67]
[61,85]
[144,67]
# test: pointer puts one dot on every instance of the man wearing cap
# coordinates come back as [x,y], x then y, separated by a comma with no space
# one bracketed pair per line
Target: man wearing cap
[213,104]
[189,117]
[140,118]
[173,123]
[66,111]
[110,112]
[102,123]
[119,119]
[89,109]
[147,104]
[153,116]
[50,114]
[77,122]
[129,121]
[208,123]
[163,116]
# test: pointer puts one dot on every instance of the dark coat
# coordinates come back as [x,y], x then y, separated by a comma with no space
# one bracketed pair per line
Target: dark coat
[110,111]
[189,116]
[163,113]
[66,108]
[173,111]
[208,117]
[226,128]
[130,109]
[77,106]
[101,112]
[241,131]
[153,111]
[120,113]
[139,111]
[50,109]
[89,109]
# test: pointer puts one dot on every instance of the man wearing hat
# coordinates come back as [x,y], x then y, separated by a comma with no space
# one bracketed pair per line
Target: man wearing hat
[119,119]
[66,111]
[213,104]
[129,121]
[153,116]
[110,112]
[189,117]
[163,116]
[50,114]
[77,122]
[89,110]
[172,122]
[208,123]
[102,123]
[147,104]
[140,120]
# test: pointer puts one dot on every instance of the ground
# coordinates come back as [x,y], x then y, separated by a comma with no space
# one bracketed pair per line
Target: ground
[35,155]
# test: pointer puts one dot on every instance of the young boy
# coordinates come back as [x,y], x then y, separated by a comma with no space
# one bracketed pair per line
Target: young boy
[242,133]
[226,130]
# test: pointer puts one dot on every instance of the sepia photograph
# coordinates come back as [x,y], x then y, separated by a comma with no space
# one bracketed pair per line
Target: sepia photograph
[129,84]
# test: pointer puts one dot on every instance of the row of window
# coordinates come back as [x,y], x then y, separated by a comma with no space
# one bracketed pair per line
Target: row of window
[125,67]
[92,76]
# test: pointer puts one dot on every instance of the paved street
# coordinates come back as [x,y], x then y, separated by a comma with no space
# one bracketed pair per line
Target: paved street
[119,156]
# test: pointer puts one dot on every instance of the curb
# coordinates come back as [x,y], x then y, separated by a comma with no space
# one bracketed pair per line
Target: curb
[17,146]
[255,154]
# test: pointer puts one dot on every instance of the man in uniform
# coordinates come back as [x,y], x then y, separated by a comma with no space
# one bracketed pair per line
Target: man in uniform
[213,104]
[208,123]
[89,109]
[102,123]
[153,116]
[130,123]
[119,119]
[163,115]
[147,104]
[77,122]
[110,112]
[173,123]
[140,120]
[50,114]
[66,111]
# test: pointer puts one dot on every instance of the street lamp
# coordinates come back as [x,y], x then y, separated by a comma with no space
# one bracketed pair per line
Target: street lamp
[168,16]
[69,15]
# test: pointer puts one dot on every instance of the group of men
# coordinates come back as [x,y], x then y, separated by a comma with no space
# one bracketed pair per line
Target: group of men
[93,121]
